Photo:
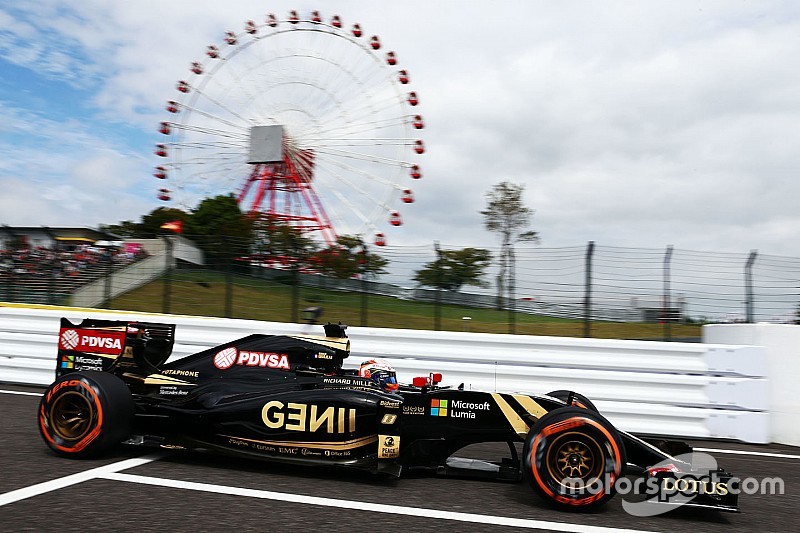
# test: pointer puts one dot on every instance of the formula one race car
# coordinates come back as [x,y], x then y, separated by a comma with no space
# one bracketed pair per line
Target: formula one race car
[287,398]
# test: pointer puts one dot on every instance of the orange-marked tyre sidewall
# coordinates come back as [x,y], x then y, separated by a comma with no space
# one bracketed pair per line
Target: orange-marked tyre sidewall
[50,401]
[562,434]
[83,414]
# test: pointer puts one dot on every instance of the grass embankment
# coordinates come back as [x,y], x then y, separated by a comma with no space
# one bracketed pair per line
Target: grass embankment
[204,294]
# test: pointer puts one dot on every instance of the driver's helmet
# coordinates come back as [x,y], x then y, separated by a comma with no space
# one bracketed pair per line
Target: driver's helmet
[381,372]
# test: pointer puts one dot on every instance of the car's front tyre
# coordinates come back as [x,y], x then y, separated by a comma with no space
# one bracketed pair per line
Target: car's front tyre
[573,458]
[578,400]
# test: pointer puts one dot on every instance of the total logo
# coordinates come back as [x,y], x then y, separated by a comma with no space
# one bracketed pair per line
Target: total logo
[83,340]
[225,359]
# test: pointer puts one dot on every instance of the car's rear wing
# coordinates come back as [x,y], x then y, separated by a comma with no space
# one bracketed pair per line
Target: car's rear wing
[113,346]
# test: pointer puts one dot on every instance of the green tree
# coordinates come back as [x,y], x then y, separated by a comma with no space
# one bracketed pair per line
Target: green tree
[347,259]
[150,225]
[454,269]
[126,228]
[281,243]
[220,228]
[507,215]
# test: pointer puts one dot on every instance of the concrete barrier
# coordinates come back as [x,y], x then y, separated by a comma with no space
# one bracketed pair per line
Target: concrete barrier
[781,345]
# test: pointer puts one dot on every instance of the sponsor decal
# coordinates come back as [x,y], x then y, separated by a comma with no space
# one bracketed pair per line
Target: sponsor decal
[457,408]
[689,486]
[225,359]
[89,340]
[59,386]
[438,407]
[261,447]
[413,410]
[69,339]
[665,483]
[311,418]
[351,383]
[323,355]
[389,404]
[185,373]
[172,391]
[389,419]
[338,381]
[388,447]
[306,451]
[320,449]
[80,362]
[337,453]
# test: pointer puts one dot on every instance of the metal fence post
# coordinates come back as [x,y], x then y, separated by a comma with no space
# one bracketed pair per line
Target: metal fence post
[295,291]
[167,277]
[51,288]
[511,296]
[228,258]
[666,313]
[107,282]
[437,305]
[587,301]
[748,286]
[365,266]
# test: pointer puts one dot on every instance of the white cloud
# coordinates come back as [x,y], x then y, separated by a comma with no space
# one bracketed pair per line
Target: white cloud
[634,124]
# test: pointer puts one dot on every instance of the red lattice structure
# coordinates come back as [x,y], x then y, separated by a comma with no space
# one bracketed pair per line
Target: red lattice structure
[305,121]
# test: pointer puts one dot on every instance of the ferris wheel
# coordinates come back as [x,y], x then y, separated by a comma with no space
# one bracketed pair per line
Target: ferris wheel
[306,121]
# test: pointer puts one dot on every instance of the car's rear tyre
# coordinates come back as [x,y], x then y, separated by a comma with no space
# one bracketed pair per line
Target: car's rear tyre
[578,400]
[573,458]
[83,414]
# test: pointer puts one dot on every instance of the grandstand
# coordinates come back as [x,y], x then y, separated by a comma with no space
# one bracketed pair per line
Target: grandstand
[48,265]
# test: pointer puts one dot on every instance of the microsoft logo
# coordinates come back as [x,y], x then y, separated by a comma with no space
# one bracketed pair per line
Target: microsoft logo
[68,361]
[438,407]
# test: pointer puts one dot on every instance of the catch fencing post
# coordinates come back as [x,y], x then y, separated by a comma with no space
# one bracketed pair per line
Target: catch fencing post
[167,276]
[437,306]
[364,267]
[107,281]
[666,313]
[748,286]
[51,289]
[587,301]
[511,296]
[228,258]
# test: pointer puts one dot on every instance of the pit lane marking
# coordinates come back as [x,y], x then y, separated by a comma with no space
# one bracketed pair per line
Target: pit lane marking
[80,477]
[359,506]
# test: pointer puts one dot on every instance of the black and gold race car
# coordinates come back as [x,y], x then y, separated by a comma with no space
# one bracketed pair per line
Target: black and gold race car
[288,398]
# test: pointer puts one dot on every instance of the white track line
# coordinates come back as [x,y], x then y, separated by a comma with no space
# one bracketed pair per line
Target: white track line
[20,393]
[743,452]
[80,477]
[360,506]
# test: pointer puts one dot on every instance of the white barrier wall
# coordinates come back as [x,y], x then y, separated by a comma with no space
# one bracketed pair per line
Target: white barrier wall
[671,389]
[781,343]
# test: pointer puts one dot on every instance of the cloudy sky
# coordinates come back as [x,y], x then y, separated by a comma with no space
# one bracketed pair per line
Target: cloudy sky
[634,124]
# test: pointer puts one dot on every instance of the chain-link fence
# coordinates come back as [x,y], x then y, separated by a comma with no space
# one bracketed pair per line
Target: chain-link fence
[590,290]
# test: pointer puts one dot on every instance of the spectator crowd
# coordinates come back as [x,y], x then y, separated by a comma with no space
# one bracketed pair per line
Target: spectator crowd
[42,275]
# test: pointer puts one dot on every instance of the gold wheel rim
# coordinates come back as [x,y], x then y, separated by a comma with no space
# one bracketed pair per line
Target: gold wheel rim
[575,456]
[71,415]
